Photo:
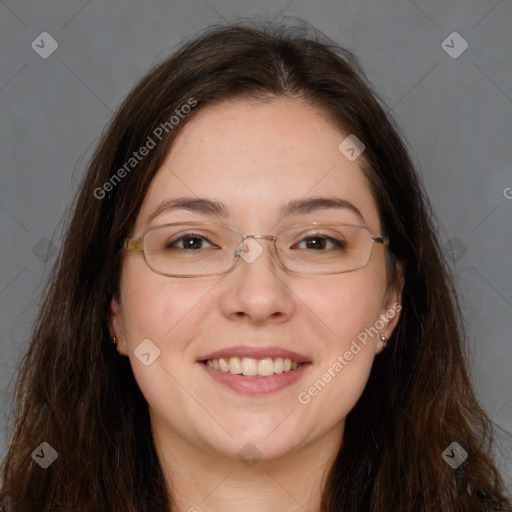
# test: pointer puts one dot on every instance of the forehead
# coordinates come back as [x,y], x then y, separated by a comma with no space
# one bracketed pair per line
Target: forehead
[257,156]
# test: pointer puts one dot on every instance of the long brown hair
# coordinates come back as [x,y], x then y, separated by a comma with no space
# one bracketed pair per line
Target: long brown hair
[75,392]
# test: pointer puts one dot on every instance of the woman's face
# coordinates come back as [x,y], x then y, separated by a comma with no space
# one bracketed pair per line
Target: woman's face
[255,160]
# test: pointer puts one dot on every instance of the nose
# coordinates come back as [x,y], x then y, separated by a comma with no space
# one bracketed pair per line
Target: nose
[256,290]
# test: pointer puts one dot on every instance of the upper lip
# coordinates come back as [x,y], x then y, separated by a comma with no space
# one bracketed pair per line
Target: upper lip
[256,353]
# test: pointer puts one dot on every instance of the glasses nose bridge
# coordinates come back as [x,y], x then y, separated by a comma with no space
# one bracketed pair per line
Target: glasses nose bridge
[261,237]
[241,246]
[272,238]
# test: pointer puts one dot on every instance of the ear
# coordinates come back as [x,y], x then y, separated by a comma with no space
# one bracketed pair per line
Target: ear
[391,307]
[116,325]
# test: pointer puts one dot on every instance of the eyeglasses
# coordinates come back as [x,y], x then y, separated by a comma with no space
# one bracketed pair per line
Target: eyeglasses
[196,249]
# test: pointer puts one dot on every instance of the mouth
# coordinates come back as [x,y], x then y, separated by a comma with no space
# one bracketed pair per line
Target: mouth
[254,371]
[251,367]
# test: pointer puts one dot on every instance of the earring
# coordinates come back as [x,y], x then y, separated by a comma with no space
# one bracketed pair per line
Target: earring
[114,339]
[384,340]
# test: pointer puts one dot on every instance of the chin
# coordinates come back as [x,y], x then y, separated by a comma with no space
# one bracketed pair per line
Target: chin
[266,442]
[249,450]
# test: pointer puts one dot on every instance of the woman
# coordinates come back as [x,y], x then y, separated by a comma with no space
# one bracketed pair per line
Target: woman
[250,310]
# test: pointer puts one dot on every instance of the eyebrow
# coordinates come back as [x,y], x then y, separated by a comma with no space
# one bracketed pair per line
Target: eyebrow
[216,208]
[313,204]
[193,204]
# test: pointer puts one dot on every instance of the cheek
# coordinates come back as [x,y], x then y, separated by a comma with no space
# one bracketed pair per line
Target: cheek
[154,306]
[349,305]
[335,389]
[170,313]
[164,311]
[346,304]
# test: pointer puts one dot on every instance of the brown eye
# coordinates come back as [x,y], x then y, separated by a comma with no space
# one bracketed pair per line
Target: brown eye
[188,242]
[319,243]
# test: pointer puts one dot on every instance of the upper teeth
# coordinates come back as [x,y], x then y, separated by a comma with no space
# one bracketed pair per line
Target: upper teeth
[249,366]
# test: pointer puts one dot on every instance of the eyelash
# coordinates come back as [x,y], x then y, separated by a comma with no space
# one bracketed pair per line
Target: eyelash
[171,244]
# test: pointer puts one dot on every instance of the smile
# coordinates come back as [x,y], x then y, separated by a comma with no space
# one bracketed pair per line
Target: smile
[251,367]
[255,370]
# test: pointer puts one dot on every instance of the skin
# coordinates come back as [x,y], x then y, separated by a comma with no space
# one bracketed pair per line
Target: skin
[254,157]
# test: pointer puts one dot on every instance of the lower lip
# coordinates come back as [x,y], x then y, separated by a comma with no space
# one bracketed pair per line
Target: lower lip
[257,385]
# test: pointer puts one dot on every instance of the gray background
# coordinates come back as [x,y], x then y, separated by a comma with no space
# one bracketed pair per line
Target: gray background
[455,113]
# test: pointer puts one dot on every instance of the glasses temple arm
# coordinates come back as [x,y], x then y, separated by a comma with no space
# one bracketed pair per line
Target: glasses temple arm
[384,240]
[133,244]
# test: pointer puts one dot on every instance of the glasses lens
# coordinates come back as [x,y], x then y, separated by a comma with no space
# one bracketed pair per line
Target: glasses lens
[190,249]
[325,249]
